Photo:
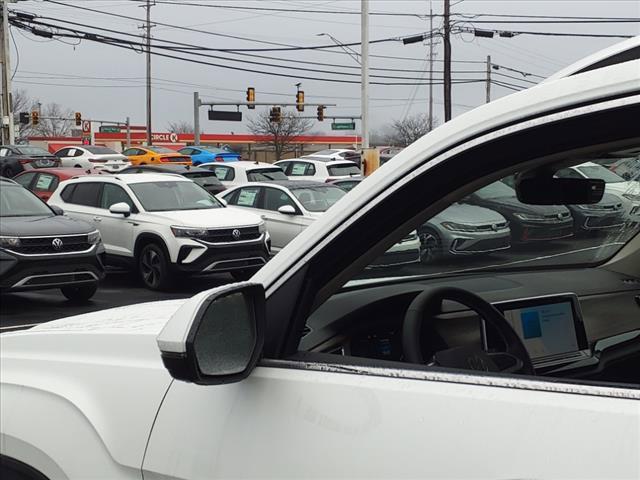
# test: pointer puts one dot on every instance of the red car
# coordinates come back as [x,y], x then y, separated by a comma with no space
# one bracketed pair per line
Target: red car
[44,181]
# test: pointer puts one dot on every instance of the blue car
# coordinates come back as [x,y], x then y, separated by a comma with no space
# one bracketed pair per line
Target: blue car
[207,154]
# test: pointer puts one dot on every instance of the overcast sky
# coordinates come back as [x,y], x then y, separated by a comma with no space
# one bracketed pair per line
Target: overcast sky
[106,82]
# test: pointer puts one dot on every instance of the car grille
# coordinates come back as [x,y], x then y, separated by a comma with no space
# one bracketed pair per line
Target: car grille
[45,245]
[491,227]
[226,235]
[485,245]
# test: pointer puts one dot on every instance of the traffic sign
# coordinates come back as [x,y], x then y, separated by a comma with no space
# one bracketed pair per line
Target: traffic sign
[343,126]
[225,115]
[86,126]
[109,129]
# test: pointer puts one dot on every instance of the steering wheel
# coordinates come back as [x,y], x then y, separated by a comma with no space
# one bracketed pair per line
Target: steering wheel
[428,304]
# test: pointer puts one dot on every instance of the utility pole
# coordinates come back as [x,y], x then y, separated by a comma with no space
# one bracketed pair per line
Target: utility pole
[196,118]
[364,27]
[447,62]
[488,78]
[8,133]
[148,35]
[430,66]
[128,125]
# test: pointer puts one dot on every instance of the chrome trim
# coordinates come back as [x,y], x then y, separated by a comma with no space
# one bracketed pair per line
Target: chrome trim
[51,236]
[214,265]
[453,251]
[50,253]
[261,238]
[31,277]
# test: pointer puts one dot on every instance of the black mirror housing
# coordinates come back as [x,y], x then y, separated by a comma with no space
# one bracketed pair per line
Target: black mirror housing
[547,190]
[225,339]
[56,209]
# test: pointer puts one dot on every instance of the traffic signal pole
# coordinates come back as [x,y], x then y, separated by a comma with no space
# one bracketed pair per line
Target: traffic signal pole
[8,132]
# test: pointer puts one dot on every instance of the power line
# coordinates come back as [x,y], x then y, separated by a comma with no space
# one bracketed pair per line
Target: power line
[569,17]
[514,78]
[512,33]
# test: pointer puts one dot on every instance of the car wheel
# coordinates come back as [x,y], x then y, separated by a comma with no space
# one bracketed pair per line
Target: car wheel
[79,293]
[154,267]
[430,245]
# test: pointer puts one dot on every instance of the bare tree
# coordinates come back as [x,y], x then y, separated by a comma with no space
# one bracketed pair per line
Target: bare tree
[55,121]
[283,133]
[180,127]
[405,132]
[22,103]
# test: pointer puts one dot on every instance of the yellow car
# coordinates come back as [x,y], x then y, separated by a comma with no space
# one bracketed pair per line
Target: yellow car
[153,155]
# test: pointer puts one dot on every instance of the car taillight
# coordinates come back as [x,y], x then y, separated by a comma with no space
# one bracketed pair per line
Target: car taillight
[219,158]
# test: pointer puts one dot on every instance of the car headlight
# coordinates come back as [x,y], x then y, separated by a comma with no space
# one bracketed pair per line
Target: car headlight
[458,227]
[94,238]
[188,232]
[262,227]
[525,216]
[9,242]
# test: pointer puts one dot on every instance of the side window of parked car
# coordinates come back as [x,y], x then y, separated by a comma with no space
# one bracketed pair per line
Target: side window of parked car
[26,179]
[62,153]
[568,173]
[224,174]
[274,199]
[46,183]
[285,166]
[248,197]
[112,194]
[302,169]
[86,194]
[4,152]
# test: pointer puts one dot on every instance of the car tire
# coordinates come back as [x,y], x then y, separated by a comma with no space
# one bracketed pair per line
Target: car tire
[430,245]
[153,267]
[79,293]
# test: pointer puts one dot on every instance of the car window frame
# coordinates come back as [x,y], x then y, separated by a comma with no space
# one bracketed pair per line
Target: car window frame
[75,191]
[286,192]
[56,182]
[31,174]
[132,203]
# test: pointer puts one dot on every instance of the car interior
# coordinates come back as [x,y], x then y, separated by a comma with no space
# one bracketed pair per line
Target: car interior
[565,310]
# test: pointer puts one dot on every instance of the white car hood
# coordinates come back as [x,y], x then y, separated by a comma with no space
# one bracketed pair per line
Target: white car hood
[210,218]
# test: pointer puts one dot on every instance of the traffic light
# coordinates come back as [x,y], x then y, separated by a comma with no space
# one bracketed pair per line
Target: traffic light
[35,118]
[275,115]
[251,97]
[300,101]
[24,118]
[320,113]
[78,119]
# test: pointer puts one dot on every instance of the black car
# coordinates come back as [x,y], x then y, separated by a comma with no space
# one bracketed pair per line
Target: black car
[607,214]
[40,248]
[202,176]
[528,223]
[17,158]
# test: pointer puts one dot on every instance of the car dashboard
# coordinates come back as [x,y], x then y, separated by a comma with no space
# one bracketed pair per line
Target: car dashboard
[365,320]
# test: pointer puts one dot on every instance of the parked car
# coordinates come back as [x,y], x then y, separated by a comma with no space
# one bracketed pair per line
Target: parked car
[487,370]
[92,156]
[17,158]
[40,248]
[336,154]
[318,170]
[528,223]
[207,154]
[347,184]
[44,181]
[627,168]
[606,215]
[463,229]
[387,153]
[155,155]
[239,173]
[162,225]
[287,207]
[203,177]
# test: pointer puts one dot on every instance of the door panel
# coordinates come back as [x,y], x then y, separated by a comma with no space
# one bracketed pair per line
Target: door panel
[117,231]
[289,423]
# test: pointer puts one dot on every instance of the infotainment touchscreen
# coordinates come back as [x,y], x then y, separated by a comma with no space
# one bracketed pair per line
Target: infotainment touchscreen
[548,326]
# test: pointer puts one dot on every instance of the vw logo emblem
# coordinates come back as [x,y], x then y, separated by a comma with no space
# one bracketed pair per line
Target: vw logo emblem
[57,244]
[235,234]
[494,227]
[559,216]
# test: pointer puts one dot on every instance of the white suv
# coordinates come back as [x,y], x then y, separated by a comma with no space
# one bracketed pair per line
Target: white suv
[318,170]
[164,224]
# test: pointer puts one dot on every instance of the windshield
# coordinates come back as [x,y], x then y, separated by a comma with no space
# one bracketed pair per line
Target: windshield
[100,150]
[17,202]
[489,229]
[161,149]
[171,196]
[203,178]
[28,150]
[344,169]
[318,199]
[266,174]
[599,172]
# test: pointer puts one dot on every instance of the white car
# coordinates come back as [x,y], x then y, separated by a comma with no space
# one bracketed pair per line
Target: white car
[483,370]
[336,154]
[238,173]
[318,170]
[628,190]
[92,156]
[163,224]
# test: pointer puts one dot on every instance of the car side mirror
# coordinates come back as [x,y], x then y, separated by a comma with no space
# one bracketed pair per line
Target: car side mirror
[287,210]
[57,210]
[120,208]
[217,336]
